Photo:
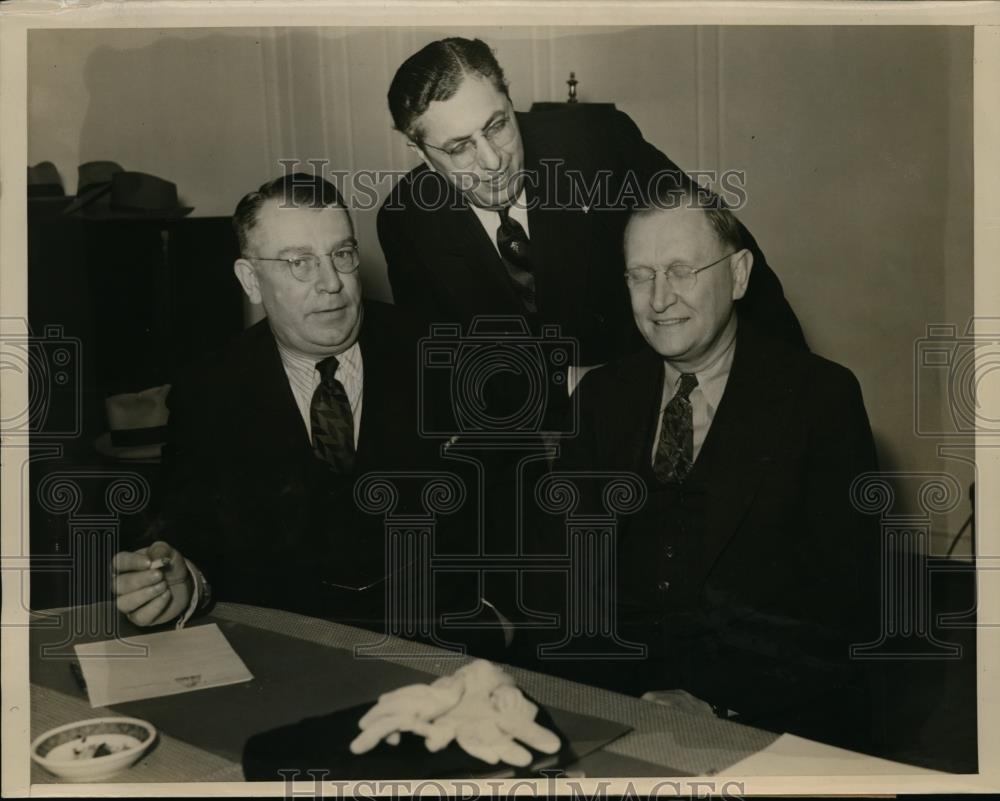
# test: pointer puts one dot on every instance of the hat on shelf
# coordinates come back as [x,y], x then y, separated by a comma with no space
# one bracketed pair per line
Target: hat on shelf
[108,192]
[44,181]
[93,180]
[137,423]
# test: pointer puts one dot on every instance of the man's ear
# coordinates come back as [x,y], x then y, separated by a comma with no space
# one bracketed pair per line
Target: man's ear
[741,265]
[247,276]
[420,152]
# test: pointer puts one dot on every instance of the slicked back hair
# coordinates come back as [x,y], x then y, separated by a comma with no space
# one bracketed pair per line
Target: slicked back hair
[722,220]
[296,189]
[435,73]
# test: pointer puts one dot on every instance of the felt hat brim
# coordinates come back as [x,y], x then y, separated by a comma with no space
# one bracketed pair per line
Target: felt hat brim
[129,453]
[87,197]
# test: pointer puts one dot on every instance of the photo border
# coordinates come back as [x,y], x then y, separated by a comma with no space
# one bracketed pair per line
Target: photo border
[17,18]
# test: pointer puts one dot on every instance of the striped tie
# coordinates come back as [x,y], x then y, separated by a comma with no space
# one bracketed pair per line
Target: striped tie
[331,419]
[515,251]
[675,450]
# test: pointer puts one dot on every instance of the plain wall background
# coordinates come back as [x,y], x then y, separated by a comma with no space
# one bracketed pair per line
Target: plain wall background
[856,143]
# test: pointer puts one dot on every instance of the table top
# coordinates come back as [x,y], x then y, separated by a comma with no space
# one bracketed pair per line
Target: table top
[663,741]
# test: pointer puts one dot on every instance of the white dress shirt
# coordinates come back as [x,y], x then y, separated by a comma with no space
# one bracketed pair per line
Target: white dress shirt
[303,377]
[705,397]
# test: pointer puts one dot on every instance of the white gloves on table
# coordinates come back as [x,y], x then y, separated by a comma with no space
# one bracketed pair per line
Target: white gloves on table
[478,706]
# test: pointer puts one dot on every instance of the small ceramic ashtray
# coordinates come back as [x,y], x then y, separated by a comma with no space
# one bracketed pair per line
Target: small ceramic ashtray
[93,749]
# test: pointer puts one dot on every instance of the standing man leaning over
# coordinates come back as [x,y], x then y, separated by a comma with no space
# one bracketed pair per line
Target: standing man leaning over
[494,220]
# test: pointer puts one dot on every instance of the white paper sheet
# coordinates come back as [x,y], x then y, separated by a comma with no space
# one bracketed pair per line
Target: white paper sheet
[176,661]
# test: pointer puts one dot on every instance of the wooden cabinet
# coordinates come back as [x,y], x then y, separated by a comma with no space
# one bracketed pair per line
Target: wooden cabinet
[113,306]
[143,298]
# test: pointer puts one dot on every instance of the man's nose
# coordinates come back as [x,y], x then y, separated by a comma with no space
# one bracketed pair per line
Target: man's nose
[327,277]
[663,295]
[488,155]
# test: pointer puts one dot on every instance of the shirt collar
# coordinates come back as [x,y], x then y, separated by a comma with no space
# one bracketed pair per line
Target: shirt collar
[304,365]
[711,379]
[518,209]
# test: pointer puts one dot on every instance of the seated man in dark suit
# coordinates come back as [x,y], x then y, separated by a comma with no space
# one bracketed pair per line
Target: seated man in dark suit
[522,214]
[268,439]
[747,572]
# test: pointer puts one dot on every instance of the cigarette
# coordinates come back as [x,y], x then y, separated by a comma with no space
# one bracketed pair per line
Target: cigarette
[156,564]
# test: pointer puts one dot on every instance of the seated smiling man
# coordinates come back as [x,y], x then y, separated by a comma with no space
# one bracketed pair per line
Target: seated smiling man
[747,573]
[268,438]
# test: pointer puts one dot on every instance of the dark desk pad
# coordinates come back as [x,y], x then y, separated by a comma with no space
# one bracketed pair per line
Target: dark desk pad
[294,680]
[322,744]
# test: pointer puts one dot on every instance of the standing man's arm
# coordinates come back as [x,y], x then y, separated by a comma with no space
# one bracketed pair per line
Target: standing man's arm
[409,273]
[764,302]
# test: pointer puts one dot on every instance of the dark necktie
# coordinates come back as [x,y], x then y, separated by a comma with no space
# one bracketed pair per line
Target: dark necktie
[675,450]
[331,420]
[515,250]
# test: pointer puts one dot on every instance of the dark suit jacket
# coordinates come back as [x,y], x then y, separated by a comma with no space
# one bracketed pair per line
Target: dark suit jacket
[443,265]
[762,605]
[250,504]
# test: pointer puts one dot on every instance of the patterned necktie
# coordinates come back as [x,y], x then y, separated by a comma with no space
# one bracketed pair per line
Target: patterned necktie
[515,250]
[675,450]
[331,419]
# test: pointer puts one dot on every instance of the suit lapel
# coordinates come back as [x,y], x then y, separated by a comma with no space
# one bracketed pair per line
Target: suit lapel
[740,442]
[387,439]
[469,258]
[536,193]
[739,447]
[270,415]
[641,393]
[547,231]
[377,387]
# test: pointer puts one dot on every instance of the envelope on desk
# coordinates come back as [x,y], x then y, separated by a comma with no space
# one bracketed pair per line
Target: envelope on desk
[116,671]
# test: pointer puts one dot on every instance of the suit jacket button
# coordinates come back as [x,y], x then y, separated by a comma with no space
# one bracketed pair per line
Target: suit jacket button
[599,318]
[669,551]
[663,586]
